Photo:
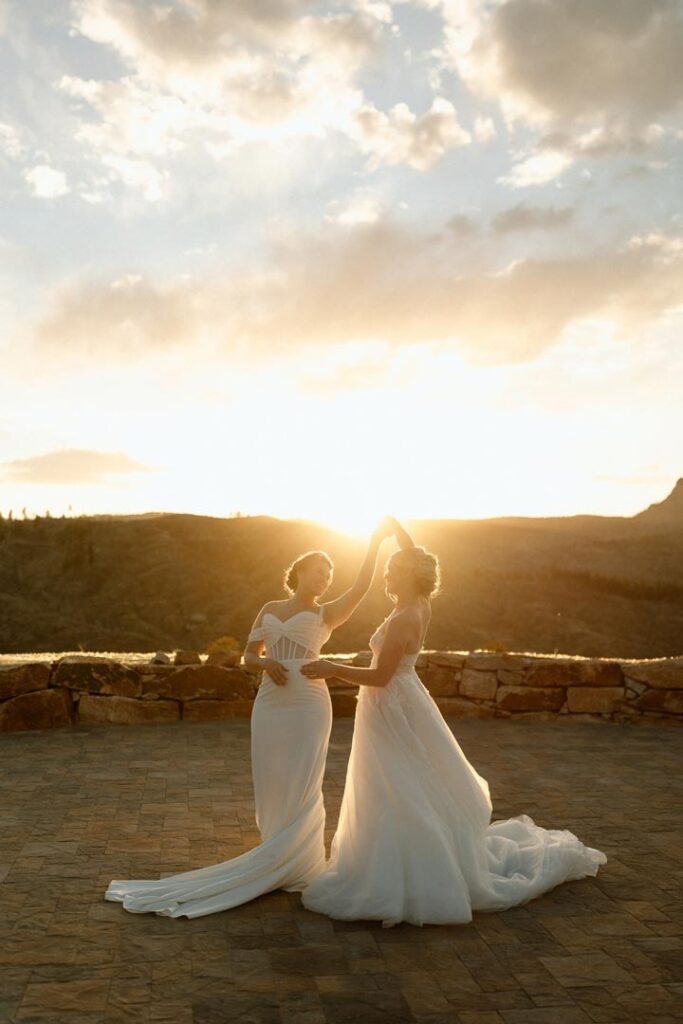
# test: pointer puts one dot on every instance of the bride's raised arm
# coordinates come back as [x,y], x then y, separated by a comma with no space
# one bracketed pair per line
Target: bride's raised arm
[402,536]
[341,609]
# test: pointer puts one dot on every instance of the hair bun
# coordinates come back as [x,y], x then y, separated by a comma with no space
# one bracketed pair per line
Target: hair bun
[423,566]
[291,576]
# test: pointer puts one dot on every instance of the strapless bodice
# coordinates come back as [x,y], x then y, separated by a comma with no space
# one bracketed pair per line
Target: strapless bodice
[296,638]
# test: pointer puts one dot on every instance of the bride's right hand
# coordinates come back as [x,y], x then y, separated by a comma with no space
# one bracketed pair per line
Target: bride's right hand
[275,671]
[385,528]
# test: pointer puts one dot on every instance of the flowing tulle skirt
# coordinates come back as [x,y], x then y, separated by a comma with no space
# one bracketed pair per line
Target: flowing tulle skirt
[415,841]
[290,730]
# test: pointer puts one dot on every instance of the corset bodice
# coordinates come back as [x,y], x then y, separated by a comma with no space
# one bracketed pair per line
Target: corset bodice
[297,638]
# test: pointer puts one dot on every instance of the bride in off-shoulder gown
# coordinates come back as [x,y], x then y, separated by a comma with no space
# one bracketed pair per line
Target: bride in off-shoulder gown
[415,841]
[290,728]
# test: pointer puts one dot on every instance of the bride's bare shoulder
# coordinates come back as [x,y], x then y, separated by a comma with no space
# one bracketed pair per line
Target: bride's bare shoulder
[269,606]
[415,618]
[411,617]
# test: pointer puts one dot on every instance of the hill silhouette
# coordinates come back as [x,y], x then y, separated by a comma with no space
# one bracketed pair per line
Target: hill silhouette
[665,513]
[607,586]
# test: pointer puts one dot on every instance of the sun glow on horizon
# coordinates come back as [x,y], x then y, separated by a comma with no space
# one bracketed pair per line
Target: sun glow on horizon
[412,434]
[356,522]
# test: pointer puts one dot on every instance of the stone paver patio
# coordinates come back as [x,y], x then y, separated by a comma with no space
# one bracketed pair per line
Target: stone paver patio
[82,806]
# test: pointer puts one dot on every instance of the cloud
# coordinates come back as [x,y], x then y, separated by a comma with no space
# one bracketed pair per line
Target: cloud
[214,76]
[47,183]
[134,118]
[601,76]
[150,182]
[357,209]
[537,169]
[401,137]
[10,143]
[184,37]
[484,129]
[371,281]
[128,314]
[528,53]
[462,226]
[233,68]
[525,218]
[71,466]
[641,170]
[605,140]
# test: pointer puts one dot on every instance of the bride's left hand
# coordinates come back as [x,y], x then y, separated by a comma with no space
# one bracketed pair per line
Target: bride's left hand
[385,528]
[320,669]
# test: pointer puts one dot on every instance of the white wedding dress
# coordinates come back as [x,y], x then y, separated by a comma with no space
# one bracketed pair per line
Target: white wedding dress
[415,841]
[290,731]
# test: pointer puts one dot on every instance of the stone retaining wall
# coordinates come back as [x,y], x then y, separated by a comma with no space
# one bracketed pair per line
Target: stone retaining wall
[100,691]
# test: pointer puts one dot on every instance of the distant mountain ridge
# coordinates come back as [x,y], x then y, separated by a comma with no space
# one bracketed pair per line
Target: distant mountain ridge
[668,512]
[588,585]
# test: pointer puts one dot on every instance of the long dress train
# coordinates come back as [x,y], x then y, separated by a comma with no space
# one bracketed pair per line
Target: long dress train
[290,731]
[415,841]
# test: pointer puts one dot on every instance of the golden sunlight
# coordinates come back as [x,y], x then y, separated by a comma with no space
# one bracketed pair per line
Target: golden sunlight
[356,519]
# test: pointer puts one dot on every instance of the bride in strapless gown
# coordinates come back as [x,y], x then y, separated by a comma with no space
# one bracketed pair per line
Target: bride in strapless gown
[290,729]
[415,841]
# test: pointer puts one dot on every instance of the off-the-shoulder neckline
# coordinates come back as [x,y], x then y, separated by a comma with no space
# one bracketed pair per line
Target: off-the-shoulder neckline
[304,611]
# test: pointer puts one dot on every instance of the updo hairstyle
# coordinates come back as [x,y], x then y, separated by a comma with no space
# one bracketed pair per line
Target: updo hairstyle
[291,577]
[422,565]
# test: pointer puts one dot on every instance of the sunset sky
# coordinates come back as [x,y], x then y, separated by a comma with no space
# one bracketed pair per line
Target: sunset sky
[329,261]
